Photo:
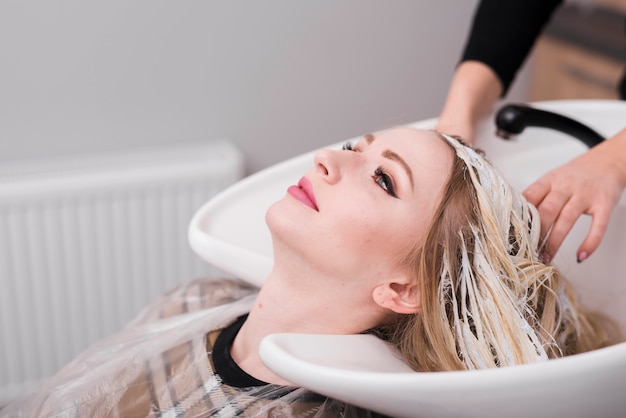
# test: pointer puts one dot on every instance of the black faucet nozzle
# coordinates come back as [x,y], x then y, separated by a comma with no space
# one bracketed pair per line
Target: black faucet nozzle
[512,119]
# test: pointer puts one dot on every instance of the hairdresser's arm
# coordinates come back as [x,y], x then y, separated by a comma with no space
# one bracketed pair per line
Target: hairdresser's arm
[501,36]
[590,184]
[473,91]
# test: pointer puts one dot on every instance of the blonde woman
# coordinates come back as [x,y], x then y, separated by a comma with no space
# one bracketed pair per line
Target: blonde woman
[407,233]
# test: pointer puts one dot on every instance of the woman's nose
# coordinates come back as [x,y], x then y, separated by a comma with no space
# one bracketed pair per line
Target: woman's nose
[328,164]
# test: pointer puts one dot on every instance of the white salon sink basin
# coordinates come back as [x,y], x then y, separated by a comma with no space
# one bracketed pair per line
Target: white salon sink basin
[230,233]
[361,370]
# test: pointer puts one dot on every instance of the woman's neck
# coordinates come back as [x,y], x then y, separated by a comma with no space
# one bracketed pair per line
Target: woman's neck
[295,305]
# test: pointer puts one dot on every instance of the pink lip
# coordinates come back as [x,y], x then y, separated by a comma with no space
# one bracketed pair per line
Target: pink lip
[304,193]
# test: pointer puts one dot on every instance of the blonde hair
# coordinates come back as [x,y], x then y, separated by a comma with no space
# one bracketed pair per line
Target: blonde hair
[486,298]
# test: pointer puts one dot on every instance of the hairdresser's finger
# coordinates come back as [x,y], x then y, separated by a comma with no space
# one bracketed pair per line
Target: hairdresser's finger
[567,217]
[537,191]
[550,209]
[599,225]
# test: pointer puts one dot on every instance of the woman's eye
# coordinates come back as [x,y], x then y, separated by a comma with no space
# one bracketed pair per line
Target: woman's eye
[347,146]
[384,181]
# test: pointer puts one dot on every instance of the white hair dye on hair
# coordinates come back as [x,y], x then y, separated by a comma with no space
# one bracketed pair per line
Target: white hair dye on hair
[492,306]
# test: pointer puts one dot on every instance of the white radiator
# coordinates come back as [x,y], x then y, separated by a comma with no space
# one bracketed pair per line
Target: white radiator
[86,242]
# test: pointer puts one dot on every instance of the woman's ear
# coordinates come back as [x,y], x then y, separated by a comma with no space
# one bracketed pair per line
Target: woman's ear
[399,296]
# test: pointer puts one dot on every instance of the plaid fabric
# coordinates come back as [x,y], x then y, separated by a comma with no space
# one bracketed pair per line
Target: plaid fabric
[205,394]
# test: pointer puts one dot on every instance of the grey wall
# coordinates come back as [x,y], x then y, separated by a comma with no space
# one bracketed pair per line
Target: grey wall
[278,77]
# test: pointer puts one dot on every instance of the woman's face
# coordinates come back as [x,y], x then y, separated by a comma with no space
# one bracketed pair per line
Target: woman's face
[358,212]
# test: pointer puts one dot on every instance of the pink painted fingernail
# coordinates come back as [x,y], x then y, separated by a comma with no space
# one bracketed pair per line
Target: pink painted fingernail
[582,256]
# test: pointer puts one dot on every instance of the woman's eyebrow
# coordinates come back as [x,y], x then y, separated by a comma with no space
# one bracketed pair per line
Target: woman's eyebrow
[395,157]
[389,154]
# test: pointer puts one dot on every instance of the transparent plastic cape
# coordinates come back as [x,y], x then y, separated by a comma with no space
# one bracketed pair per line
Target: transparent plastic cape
[159,366]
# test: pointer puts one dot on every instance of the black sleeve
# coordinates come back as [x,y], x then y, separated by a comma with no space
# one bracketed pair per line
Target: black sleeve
[504,31]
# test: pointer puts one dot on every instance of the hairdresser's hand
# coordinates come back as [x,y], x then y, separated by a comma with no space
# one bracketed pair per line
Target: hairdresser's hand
[590,184]
[466,130]
[473,92]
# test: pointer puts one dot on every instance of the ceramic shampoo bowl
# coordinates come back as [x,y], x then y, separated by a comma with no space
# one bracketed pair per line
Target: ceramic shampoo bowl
[229,232]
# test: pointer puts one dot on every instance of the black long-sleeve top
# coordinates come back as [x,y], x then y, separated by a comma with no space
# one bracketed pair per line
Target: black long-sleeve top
[503,33]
